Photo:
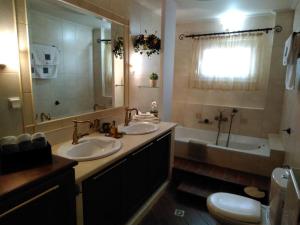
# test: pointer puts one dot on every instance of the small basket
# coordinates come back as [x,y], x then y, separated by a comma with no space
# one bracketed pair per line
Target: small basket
[17,161]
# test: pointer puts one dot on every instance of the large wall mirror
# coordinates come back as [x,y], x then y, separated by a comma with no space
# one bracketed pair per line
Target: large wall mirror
[77,60]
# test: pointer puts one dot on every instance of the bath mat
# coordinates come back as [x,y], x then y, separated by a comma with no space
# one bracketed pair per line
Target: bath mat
[254,192]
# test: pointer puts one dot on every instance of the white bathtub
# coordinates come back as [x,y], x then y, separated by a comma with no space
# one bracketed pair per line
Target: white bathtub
[239,143]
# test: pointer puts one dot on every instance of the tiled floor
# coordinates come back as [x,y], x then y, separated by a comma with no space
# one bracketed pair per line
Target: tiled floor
[195,212]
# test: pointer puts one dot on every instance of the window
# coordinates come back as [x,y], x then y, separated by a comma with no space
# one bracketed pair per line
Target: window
[231,62]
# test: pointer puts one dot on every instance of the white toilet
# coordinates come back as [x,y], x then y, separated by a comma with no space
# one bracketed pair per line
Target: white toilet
[231,209]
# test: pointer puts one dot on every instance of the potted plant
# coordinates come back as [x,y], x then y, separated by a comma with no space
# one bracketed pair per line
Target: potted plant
[149,44]
[153,79]
[118,49]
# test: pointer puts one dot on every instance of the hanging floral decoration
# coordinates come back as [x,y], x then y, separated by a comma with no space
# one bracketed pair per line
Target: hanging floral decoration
[118,49]
[150,44]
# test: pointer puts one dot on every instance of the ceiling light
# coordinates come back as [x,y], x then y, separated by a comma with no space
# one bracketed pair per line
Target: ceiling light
[232,20]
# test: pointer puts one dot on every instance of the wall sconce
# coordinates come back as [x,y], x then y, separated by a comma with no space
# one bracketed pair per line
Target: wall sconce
[2,66]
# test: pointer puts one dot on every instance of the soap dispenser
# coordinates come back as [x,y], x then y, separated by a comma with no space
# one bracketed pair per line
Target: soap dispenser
[114,130]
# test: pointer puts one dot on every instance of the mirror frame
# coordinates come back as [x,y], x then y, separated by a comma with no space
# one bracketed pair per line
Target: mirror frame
[30,125]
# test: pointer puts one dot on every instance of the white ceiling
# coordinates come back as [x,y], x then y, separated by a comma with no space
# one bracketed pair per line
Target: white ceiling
[193,10]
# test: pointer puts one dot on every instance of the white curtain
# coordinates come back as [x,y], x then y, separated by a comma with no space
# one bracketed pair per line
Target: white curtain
[230,62]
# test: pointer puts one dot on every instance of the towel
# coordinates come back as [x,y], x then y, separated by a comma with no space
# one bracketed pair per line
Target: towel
[197,141]
[287,54]
[44,72]
[45,55]
[145,117]
[44,61]
[8,145]
[291,53]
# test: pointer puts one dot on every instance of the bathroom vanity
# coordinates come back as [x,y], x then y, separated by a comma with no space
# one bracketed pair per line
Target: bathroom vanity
[43,195]
[117,189]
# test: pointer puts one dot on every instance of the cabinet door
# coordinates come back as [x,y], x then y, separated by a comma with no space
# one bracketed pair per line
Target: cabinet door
[102,197]
[50,203]
[159,161]
[135,181]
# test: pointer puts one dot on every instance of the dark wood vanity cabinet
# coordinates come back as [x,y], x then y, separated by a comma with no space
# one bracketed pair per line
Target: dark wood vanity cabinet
[136,180]
[112,196]
[50,202]
[159,158]
[102,194]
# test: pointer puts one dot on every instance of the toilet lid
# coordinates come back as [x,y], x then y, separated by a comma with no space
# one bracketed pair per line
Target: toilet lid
[235,207]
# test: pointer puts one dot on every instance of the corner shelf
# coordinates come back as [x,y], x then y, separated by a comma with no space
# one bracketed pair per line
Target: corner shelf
[145,86]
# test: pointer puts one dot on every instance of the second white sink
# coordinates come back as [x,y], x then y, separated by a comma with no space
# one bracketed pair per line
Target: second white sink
[140,128]
[90,148]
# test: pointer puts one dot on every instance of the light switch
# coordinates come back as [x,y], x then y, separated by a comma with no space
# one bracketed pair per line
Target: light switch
[14,102]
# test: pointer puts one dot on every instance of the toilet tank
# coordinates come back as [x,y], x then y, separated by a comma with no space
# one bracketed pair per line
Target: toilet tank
[279,181]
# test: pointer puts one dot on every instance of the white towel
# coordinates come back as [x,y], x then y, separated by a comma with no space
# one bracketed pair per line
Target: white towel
[44,55]
[44,61]
[44,72]
[288,50]
[291,53]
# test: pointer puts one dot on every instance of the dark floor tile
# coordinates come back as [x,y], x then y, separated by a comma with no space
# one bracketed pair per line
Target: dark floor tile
[163,211]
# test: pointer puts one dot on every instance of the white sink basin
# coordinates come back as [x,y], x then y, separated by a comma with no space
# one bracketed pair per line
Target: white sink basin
[140,128]
[90,148]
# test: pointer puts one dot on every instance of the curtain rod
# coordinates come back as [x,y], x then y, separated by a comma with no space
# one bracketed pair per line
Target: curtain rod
[276,29]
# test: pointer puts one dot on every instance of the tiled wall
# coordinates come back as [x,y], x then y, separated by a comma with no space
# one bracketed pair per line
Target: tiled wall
[141,66]
[291,113]
[73,87]
[11,121]
[259,111]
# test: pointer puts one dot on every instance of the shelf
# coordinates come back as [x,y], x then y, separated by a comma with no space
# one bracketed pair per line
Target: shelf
[144,86]
[223,174]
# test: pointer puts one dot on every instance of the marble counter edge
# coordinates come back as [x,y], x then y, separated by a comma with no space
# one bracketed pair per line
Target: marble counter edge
[130,143]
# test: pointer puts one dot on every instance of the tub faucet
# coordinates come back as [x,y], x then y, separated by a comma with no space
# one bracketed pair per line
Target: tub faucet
[128,114]
[76,135]
[220,119]
[45,116]
[233,113]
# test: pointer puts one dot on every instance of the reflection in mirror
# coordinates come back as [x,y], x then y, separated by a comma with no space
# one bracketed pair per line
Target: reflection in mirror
[74,66]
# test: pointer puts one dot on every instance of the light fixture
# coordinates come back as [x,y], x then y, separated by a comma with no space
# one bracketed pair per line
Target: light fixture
[232,20]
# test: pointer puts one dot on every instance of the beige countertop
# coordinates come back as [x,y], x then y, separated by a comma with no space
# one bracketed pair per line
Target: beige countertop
[129,143]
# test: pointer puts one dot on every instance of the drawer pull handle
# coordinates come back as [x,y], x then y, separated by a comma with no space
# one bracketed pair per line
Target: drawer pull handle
[163,136]
[147,146]
[29,201]
[109,169]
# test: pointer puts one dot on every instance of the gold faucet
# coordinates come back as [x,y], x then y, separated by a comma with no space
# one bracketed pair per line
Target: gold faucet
[77,136]
[128,115]
[45,116]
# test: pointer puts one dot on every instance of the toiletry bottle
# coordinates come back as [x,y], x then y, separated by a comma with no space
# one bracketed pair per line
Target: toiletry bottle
[114,130]
[154,110]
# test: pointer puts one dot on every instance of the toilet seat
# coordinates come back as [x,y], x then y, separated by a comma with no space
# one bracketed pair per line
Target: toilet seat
[234,208]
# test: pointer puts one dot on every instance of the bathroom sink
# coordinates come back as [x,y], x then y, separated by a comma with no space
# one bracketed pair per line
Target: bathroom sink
[140,128]
[90,148]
